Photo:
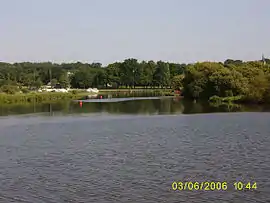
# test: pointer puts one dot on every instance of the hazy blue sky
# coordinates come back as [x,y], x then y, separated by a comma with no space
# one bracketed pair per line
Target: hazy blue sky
[111,30]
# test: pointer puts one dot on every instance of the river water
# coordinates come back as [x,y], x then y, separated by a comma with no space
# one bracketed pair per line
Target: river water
[132,152]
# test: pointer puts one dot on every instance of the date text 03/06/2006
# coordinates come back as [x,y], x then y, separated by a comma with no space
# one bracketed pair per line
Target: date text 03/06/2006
[213,186]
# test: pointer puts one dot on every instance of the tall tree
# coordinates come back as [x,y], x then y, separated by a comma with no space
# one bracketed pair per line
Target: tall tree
[64,80]
[128,71]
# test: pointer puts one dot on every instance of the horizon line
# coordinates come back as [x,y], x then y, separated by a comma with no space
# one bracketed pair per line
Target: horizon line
[120,61]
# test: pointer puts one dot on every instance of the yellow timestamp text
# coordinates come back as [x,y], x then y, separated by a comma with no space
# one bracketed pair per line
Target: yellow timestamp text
[245,186]
[199,186]
[212,186]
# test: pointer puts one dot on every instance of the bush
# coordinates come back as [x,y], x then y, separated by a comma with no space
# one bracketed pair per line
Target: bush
[9,89]
[177,82]
[37,97]
[215,99]
[74,92]
[25,91]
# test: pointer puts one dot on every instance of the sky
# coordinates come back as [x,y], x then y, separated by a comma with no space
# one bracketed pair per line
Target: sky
[106,31]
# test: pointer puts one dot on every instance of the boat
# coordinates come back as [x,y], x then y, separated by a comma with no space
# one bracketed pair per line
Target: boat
[91,96]
[92,90]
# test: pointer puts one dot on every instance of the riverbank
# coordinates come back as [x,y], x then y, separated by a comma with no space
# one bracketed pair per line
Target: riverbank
[219,100]
[39,97]
[58,96]
[236,100]
[157,92]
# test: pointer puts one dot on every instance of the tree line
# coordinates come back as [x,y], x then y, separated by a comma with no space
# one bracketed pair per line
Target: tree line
[129,73]
[250,79]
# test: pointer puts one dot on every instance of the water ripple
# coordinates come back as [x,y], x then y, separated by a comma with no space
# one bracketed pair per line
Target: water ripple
[134,158]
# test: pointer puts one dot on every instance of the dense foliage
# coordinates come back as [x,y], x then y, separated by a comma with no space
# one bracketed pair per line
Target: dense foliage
[250,80]
[128,73]
[199,81]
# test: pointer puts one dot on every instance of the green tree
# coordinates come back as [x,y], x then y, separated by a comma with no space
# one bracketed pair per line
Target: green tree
[37,84]
[54,82]
[9,89]
[196,82]
[83,78]
[162,74]
[177,82]
[64,80]
[128,72]
[112,75]
[148,73]
[227,83]
[176,69]
[233,62]
[257,88]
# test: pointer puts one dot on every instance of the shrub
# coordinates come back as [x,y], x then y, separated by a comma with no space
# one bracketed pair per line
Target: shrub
[25,91]
[9,89]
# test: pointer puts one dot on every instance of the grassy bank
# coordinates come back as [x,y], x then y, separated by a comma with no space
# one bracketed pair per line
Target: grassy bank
[57,96]
[133,90]
[39,97]
[237,100]
[157,92]
[220,100]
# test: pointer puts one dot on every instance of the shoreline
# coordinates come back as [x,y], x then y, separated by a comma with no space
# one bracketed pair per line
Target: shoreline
[41,97]
[23,98]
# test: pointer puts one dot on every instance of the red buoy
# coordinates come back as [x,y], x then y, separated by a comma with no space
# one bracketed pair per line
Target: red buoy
[80,103]
[100,97]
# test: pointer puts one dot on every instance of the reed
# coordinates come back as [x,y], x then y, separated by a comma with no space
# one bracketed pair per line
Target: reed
[39,97]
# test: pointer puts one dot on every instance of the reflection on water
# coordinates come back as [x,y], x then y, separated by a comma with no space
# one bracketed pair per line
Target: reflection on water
[168,105]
